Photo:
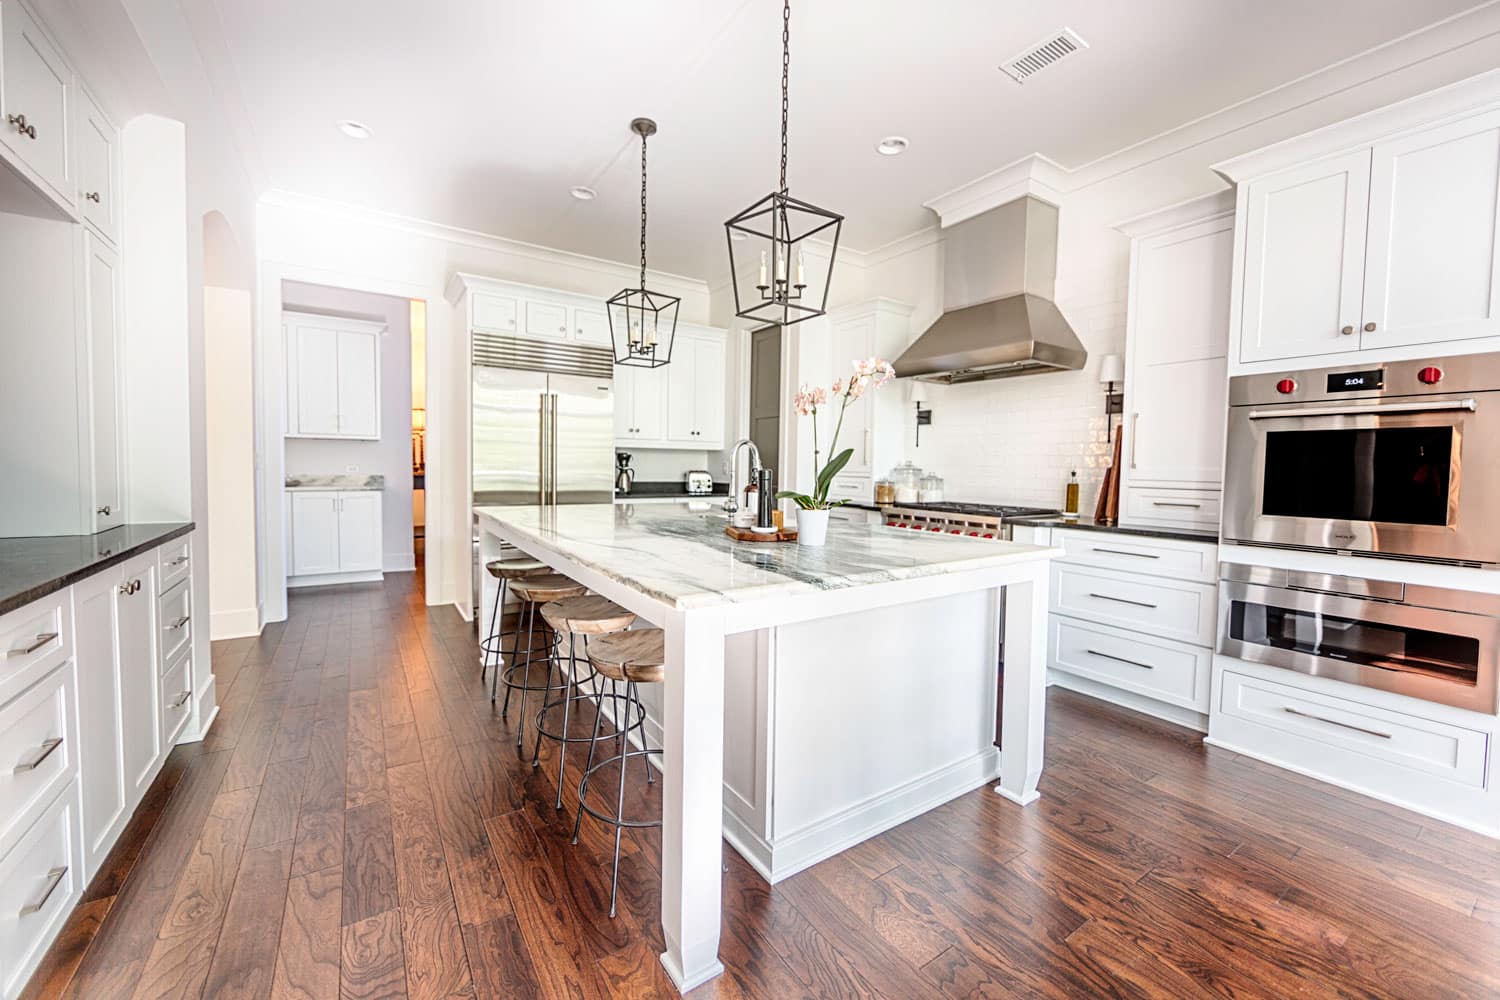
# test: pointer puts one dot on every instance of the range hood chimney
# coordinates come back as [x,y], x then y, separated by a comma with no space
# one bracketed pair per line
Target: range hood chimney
[999,269]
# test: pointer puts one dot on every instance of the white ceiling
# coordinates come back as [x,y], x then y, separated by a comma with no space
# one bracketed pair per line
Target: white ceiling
[485,112]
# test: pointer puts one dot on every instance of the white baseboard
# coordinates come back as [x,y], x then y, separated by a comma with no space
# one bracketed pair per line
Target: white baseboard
[401,563]
[239,623]
[1185,717]
[207,712]
[333,579]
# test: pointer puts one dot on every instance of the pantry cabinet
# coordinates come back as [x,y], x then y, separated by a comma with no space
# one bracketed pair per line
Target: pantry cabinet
[1377,238]
[36,95]
[876,424]
[335,536]
[101,315]
[332,377]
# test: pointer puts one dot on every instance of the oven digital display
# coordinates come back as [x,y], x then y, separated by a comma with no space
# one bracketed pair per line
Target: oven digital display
[1373,378]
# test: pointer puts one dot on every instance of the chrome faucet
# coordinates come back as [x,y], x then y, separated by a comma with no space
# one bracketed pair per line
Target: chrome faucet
[732,504]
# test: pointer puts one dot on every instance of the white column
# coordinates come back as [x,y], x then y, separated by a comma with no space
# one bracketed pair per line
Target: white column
[1023,710]
[489,550]
[692,796]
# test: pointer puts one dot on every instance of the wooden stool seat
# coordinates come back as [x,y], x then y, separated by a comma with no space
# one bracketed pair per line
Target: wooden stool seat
[515,569]
[547,587]
[637,655]
[587,615]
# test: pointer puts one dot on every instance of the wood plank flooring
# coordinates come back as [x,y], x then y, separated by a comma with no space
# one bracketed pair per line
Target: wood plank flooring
[360,824]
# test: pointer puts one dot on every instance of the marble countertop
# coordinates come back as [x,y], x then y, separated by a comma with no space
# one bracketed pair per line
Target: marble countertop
[341,482]
[1089,524]
[32,568]
[683,558]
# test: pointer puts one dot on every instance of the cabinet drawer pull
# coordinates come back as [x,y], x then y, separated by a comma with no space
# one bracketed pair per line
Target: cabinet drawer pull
[38,755]
[40,641]
[104,511]
[1171,503]
[1120,659]
[179,623]
[1123,600]
[1334,722]
[19,121]
[1135,436]
[1121,552]
[54,879]
[92,196]
[181,699]
[179,561]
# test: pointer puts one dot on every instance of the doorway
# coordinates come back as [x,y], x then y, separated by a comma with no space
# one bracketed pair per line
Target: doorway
[765,396]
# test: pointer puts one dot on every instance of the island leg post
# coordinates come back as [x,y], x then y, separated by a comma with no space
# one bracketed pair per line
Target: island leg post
[1024,692]
[692,796]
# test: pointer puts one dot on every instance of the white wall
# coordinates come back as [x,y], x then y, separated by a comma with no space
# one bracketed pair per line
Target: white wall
[230,428]
[391,455]
[665,465]
[322,243]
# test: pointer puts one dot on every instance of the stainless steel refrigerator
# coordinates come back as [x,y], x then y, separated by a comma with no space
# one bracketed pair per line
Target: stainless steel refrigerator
[543,423]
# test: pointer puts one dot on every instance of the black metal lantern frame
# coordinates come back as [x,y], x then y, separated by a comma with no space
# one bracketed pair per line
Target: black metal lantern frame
[769,235]
[642,323]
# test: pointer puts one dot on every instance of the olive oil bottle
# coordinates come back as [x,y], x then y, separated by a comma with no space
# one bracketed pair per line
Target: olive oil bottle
[1070,500]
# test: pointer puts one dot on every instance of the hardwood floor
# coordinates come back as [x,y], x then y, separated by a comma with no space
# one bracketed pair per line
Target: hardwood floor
[360,824]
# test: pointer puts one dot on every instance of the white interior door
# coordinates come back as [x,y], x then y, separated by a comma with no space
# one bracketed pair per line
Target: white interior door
[358,384]
[1304,259]
[1432,272]
[359,532]
[315,532]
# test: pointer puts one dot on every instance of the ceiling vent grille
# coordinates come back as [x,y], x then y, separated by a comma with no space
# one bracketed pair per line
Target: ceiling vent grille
[1035,58]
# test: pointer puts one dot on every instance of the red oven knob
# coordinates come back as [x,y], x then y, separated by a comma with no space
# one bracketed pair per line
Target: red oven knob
[973,534]
[955,531]
[989,536]
[934,528]
[1286,386]
[1431,375]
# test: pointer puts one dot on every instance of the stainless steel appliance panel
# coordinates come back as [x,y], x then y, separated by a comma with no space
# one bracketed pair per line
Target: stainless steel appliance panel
[582,429]
[508,419]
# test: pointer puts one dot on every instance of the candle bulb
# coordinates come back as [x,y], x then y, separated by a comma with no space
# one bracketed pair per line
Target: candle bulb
[762,283]
[635,333]
[781,268]
[801,270]
[651,335]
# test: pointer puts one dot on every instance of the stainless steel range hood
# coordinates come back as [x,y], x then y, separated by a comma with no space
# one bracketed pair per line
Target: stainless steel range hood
[998,274]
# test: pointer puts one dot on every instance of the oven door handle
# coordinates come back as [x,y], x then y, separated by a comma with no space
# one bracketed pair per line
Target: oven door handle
[1365,411]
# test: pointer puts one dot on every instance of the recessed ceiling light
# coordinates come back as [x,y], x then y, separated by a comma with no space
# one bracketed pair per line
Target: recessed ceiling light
[583,193]
[892,145]
[354,129]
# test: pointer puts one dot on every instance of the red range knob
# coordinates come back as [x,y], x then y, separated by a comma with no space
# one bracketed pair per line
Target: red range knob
[989,536]
[973,534]
[1286,386]
[1431,375]
[934,528]
[954,531]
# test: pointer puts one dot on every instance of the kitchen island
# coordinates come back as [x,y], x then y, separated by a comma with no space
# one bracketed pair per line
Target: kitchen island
[813,696]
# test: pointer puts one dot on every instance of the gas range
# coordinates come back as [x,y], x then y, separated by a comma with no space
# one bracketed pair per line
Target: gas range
[976,520]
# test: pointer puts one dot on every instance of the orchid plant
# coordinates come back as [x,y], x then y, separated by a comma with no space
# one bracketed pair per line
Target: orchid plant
[869,374]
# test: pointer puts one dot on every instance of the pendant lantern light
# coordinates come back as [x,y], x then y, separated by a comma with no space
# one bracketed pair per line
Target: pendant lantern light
[765,240]
[642,323]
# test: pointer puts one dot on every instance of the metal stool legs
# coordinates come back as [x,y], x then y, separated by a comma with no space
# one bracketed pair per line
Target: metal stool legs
[565,689]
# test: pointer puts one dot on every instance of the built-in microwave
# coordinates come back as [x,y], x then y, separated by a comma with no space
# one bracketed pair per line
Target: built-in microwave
[1399,460]
[1435,644]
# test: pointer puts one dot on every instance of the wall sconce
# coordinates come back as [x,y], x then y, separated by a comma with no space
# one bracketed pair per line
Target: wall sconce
[418,439]
[916,393]
[1112,377]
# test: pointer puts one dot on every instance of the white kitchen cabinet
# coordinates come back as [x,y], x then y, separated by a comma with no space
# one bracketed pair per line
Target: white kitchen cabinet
[1432,271]
[118,685]
[332,377]
[36,95]
[336,536]
[640,404]
[494,313]
[97,142]
[695,391]
[40,882]
[876,425]
[1176,342]
[591,326]
[546,320]
[101,312]
[853,339]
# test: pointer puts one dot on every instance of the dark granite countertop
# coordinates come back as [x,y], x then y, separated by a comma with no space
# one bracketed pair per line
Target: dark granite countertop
[1089,524]
[642,490]
[32,568]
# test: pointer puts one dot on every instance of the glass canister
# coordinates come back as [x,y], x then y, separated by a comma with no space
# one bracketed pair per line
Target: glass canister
[930,489]
[906,480]
[885,492]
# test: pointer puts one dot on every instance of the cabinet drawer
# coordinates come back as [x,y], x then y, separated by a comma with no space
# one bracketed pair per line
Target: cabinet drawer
[1164,608]
[39,883]
[38,751]
[1151,556]
[175,620]
[35,639]
[851,488]
[1167,671]
[175,562]
[1189,508]
[177,698]
[1425,745]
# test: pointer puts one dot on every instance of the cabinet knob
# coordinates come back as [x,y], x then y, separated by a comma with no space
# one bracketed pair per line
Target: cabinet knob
[92,196]
[19,121]
[103,511]
[1347,331]
[1369,328]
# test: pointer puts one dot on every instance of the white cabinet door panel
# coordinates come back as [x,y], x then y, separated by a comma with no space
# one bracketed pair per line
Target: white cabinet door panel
[315,533]
[1432,272]
[624,400]
[651,403]
[96,140]
[101,277]
[682,391]
[359,534]
[1177,423]
[591,326]
[546,319]
[358,384]
[37,85]
[140,680]
[1304,259]
[99,722]
[708,407]
[494,313]
[315,364]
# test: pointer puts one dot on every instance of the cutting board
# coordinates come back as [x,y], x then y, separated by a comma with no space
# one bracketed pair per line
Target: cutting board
[746,535]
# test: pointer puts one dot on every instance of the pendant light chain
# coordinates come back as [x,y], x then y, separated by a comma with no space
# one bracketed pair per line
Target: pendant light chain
[643,210]
[786,68]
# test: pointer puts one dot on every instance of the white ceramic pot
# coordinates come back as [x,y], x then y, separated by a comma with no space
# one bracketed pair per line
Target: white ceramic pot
[812,526]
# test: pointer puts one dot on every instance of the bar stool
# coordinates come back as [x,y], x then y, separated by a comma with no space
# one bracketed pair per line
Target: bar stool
[587,616]
[504,570]
[630,658]
[533,592]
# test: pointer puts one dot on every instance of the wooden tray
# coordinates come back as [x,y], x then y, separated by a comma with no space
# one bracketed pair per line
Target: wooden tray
[746,535]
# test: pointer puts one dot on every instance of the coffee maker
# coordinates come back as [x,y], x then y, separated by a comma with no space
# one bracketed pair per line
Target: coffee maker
[624,474]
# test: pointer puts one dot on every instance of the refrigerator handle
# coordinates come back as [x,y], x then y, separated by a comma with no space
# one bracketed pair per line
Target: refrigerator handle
[541,455]
[553,473]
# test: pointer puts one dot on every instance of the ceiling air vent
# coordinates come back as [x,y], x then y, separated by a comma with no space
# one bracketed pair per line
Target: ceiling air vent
[1035,58]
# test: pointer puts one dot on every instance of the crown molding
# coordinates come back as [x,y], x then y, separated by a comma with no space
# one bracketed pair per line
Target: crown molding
[1035,176]
[478,240]
[1184,213]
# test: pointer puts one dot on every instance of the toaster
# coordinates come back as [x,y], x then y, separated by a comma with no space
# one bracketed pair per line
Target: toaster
[698,483]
